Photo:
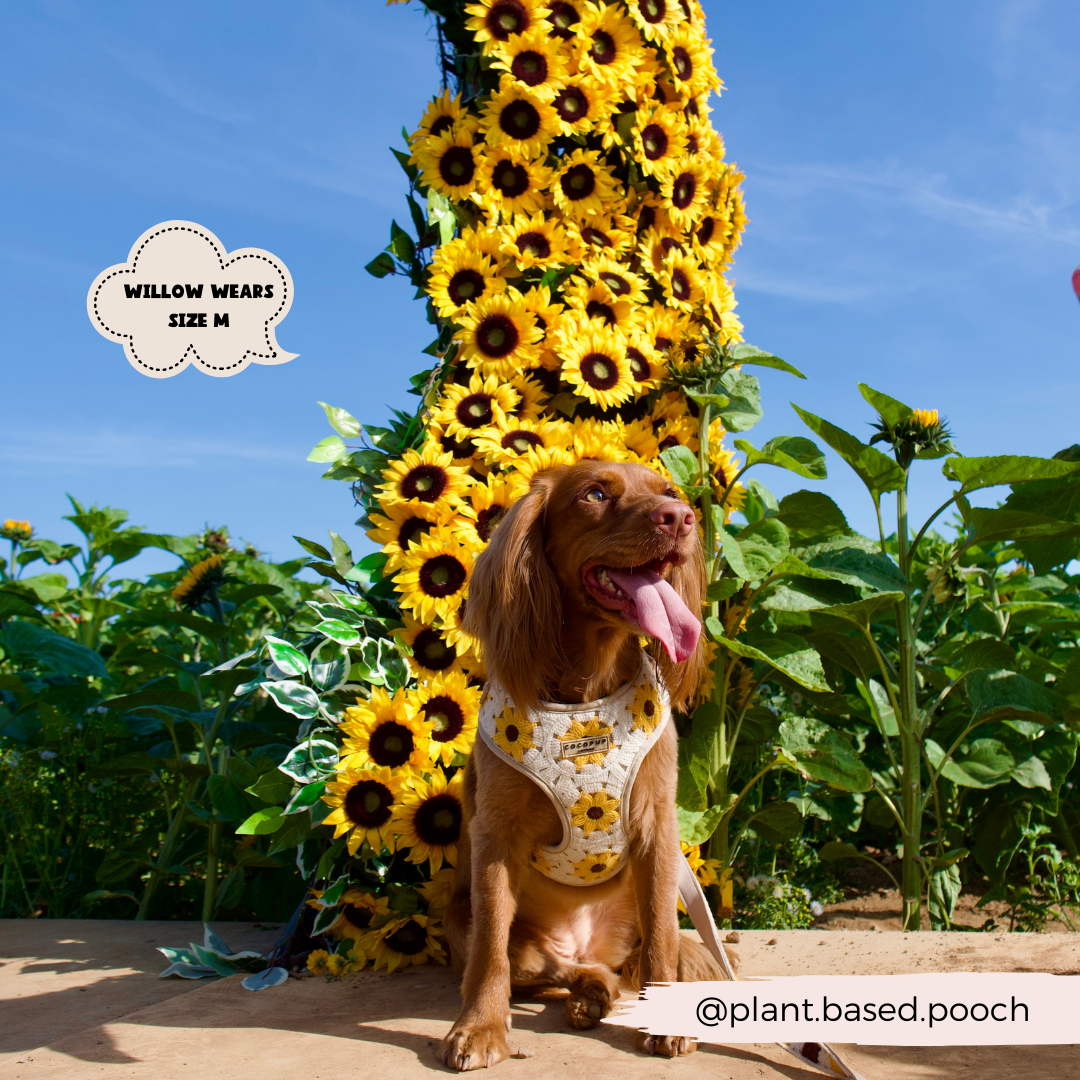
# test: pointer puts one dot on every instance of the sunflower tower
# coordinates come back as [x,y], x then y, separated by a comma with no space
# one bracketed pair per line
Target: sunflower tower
[580,218]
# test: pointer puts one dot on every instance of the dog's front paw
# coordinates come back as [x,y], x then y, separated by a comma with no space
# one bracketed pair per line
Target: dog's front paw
[474,1046]
[665,1045]
[588,1004]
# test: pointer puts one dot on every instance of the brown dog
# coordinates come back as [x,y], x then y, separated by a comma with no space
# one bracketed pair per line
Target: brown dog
[573,577]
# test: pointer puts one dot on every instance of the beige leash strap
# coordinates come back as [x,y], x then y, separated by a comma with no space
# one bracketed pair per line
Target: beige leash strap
[819,1056]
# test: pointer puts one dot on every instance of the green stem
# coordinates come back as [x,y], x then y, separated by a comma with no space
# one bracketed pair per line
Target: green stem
[210,885]
[165,856]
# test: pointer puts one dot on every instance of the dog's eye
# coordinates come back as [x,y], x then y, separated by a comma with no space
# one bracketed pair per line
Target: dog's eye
[595,495]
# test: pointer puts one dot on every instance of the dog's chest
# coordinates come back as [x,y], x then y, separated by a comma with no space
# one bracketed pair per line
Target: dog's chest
[585,758]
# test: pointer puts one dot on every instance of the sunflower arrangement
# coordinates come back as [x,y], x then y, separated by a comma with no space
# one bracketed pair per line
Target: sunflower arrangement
[580,216]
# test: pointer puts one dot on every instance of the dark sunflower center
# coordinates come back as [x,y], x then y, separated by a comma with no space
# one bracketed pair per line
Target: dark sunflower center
[409,939]
[475,411]
[486,520]
[425,482]
[563,18]
[705,232]
[510,180]
[603,49]
[647,218]
[691,109]
[520,441]
[680,59]
[368,804]
[512,733]
[519,120]
[391,744]
[507,17]
[639,366]
[529,67]
[598,868]
[464,286]
[669,442]
[438,820]
[497,336]
[445,716]
[663,343]
[599,371]
[596,310]
[535,244]
[649,708]
[596,237]
[595,812]
[683,190]
[456,166]
[431,651]
[442,576]
[670,244]
[680,286]
[441,124]
[721,476]
[357,916]
[466,448]
[617,284]
[578,182]
[654,142]
[653,11]
[692,144]
[411,528]
[571,104]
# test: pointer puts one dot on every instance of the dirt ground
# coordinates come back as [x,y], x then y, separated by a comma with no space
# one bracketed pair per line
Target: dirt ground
[81,999]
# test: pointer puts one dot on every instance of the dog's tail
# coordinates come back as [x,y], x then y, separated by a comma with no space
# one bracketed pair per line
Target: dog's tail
[696,963]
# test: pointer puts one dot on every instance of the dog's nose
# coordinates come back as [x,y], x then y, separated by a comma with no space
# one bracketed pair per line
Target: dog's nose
[675,518]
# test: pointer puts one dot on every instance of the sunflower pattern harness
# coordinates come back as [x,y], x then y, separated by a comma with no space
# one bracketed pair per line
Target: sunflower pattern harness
[584,758]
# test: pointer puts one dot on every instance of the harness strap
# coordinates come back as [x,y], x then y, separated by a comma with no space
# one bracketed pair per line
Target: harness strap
[819,1056]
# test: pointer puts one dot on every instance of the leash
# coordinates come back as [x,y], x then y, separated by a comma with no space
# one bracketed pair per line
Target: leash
[819,1056]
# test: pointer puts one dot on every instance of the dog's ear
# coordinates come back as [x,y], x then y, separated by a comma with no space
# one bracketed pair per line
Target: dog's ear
[688,580]
[515,605]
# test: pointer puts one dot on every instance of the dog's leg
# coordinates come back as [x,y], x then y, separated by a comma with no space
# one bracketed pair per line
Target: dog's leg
[478,1038]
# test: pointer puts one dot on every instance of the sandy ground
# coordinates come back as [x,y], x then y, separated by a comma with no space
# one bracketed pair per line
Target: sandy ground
[81,999]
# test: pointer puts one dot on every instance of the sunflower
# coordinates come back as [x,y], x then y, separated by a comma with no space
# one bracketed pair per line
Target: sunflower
[640,439]
[438,891]
[645,708]
[495,21]
[410,939]
[461,451]
[582,104]
[318,962]
[596,866]
[659,139]
[433,575]
[506,443]
[513,733]
[578,730]
[657,243]
[547,312]
[532,398]
[682,281]
[518,120]
[443,114]
[608,45]
[685,192]
[663,326]
[541,458]
[600,440]
[510,183]
[429,820]
[709,239]
[621,283]
[464,410]
[704,869]
[358,908]
[394,530]
[595,365]
[204,578]
[719,307]
[485,239]
[499,335]
[426,482]
[447,163]
[611,235]
[646,367]
[535,242]
[594,305]
[448,707]
[362,805]
[460,276]
[594,811]
[583,186]
[384,731]
[432,652]
[655,18]
[534,59]
[690,59]
[488,502]
[678,430]
[703,142]
[564,17]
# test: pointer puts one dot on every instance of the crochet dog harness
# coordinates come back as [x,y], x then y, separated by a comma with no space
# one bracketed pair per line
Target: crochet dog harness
[585,758]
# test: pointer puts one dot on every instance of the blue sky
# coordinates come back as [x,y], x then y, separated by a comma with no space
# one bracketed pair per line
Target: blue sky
[912,181]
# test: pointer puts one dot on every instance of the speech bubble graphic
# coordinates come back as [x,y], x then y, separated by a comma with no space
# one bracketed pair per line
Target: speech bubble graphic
[182,299]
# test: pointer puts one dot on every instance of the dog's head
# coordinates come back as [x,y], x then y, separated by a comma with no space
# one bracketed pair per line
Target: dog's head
[594,551]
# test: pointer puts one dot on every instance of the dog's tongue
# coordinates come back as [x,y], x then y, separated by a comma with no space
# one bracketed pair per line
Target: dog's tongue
[660,611]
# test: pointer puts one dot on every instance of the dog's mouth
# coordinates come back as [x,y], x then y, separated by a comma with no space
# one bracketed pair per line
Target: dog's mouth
[647,600]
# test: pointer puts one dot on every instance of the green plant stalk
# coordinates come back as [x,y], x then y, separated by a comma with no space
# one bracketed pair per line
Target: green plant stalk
[210,885]
[165,855]
[911,801]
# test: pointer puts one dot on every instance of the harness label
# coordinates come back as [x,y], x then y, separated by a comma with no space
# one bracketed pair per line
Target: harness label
[590,744]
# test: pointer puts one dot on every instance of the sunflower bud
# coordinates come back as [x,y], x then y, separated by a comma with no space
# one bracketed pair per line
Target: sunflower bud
[19,531]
